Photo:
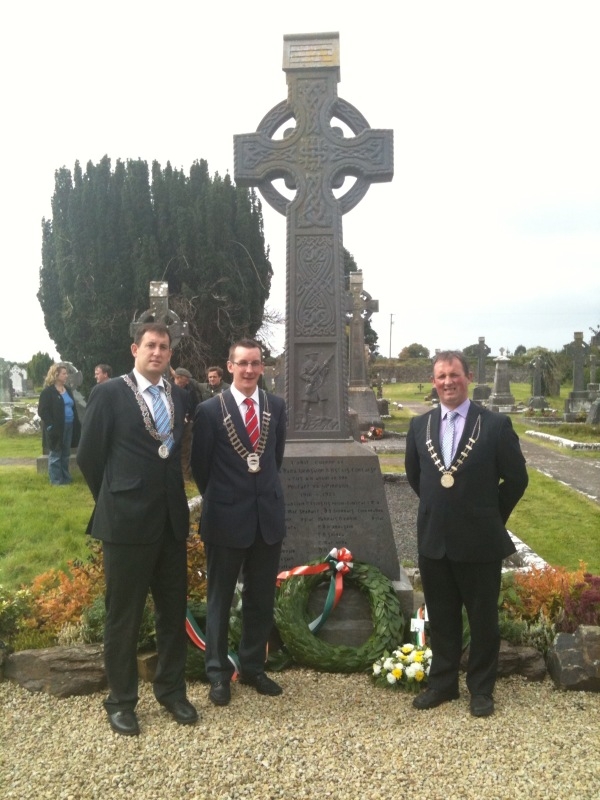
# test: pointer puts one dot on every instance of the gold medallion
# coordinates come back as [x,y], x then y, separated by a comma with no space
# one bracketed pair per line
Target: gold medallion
[447,480]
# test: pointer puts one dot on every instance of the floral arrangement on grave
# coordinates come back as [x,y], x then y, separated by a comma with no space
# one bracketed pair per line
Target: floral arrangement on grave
[406,668]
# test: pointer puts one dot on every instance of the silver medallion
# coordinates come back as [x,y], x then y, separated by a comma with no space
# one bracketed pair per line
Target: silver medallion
[447,480]
[163,451]
[253,461]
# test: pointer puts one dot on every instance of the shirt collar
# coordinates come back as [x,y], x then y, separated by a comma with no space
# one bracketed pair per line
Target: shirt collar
[239,397]
[143,383]
[462,409]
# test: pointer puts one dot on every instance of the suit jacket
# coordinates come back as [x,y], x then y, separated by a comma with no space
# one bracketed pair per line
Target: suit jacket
[51,409]
[467,522]
[136,491]
[236,502]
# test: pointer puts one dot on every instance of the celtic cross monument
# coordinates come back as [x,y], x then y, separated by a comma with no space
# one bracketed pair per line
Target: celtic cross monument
[314,157]
[333,486]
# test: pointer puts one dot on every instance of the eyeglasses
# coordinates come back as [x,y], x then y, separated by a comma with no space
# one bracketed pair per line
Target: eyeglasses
[246,364]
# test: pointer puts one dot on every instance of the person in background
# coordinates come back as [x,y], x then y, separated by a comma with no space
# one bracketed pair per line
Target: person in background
[102,372]
[214,377]
[183,378]
[466,465]
[237,452]
[58,412]
[130,457]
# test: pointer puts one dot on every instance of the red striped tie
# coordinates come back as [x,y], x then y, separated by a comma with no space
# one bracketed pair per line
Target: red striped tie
[251,422]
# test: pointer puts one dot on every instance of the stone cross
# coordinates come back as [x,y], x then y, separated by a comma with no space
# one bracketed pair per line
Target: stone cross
[593,365]
[362,308]
[314,157]
[483,352]
[159,311]
[536,363]
[578,362]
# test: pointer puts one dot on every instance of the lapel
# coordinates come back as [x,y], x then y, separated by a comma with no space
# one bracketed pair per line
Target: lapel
[436,416]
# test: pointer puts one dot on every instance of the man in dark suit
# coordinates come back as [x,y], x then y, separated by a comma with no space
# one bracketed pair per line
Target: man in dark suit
[130,456]
[465,501]
[243,517]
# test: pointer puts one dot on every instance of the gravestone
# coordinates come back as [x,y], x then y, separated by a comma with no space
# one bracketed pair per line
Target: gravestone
[159,311]
[482,391]
[501,399]
[333,485]
[578,401]
[362,398]
[537,400]
[6,390]
[593,387]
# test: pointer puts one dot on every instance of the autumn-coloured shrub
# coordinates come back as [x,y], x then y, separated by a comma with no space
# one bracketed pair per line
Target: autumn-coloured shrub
[582,606]
[59,598]
[541,592]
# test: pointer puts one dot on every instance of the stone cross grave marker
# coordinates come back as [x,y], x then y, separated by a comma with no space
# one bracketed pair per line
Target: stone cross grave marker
[159,311]
[363,306]
[333,486]
[314,157]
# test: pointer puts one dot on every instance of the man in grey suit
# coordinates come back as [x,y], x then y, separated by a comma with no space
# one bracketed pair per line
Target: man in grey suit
[466,496]
[130,456]
[237,451]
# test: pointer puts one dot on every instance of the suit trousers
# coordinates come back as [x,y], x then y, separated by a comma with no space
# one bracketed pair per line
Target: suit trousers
[131,571]
[257,566]
[448,585]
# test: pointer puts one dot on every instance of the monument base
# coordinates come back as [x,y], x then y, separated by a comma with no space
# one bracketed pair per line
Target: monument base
[363,401]
[335,497]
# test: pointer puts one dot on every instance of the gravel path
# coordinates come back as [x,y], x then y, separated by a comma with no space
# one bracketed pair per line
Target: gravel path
[327,736]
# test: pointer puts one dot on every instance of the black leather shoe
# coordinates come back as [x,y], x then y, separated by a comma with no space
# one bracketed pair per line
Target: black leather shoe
[262,684]
[432,698]
[124,722]
[220,693]
[482,705]
[182,711]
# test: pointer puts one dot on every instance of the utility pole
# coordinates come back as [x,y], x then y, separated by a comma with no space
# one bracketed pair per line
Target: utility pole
[391,323]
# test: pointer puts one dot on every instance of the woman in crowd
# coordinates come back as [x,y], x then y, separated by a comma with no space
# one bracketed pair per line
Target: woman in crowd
[59,415]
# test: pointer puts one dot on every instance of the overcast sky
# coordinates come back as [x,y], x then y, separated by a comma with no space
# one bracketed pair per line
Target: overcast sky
[491,225]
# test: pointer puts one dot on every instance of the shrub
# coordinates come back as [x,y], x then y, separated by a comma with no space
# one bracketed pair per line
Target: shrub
[15,608]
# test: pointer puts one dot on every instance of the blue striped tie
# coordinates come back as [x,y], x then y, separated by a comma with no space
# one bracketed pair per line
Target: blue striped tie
[161,416]
[448,439]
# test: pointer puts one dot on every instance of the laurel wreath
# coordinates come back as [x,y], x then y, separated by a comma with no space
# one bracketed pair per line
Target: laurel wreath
[292,620]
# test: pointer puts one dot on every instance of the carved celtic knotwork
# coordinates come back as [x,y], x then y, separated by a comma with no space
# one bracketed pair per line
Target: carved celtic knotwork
[315,304]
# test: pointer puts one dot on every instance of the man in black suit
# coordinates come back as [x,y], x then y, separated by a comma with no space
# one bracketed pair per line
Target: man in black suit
[465,501]
[130,456]
[243,517]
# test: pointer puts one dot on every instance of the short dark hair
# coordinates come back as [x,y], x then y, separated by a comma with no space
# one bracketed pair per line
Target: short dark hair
[218,370]
[151,327]
[105,368]
[249,344]
[450,355]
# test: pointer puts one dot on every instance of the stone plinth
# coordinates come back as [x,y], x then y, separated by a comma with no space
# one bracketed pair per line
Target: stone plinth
[335,497]
[362,400]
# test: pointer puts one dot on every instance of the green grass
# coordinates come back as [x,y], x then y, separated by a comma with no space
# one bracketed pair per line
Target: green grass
[41,526]
[29,446]
[559,524]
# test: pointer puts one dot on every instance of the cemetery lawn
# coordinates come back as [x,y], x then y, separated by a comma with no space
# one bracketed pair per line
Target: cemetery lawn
[20,446]
[559,524]
[41,526]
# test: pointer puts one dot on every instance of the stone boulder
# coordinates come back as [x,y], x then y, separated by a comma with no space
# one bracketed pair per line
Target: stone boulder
[60,671]
[574,659]
[516,660]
